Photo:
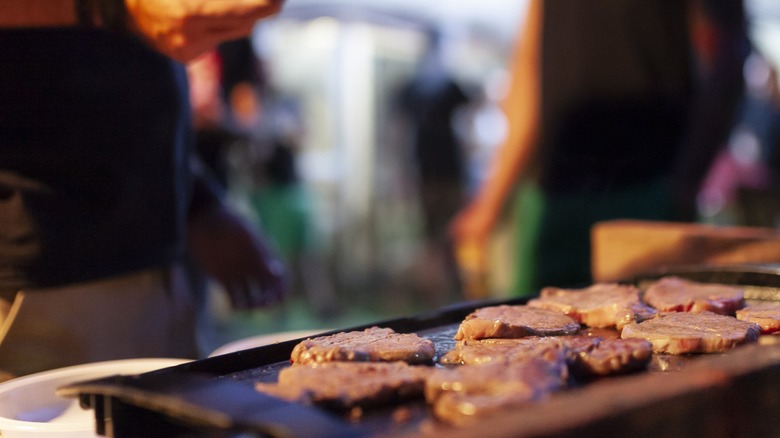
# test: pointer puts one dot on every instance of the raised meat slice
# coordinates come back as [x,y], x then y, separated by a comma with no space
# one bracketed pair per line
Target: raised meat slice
[600,305]
[684,332]
[612,357]
[586,356]
[463,393]
[481,351]
[674,294]
[506,321]
[370,345]
[766,315]
[345,385]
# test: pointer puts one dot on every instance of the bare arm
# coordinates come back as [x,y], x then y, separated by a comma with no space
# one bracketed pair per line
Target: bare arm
[230,249]
[181,29]
[37,13]
[474,225]
[521,108]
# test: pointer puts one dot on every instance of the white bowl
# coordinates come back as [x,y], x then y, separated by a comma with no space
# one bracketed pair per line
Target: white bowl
[259,341]
[30,407]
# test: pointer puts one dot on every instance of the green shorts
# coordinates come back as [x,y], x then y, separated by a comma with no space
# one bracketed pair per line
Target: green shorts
[552,231]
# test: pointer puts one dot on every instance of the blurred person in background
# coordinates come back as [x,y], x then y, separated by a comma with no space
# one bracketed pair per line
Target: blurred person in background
[428,106]
[615,109]
[280,198]
[742,186]
[212,137]
[101,194]
[249,133]
[223,91]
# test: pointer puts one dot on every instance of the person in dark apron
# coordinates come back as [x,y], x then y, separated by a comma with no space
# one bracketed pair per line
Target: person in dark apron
[102,201]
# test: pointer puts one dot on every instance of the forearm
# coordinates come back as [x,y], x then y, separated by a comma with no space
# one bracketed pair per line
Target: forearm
[37,13]
[521,108]
[181,29]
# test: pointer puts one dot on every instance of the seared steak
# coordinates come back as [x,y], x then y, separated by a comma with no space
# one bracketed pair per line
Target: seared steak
[600,305]
[586,356]
[481,351]
[507,321]
[371,345]
[345,385]
[611,357]
[766,315]
[459,409]
[684,332]
[673,294]
[470,391]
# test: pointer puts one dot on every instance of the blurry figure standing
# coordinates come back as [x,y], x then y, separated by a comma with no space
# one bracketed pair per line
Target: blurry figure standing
[612,114]
[279,196]
[429,104]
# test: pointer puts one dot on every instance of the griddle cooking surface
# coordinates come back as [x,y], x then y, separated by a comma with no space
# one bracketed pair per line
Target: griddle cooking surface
[262,364]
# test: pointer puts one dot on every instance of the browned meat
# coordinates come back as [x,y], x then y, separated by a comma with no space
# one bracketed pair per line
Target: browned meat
[507,321]
[600,305]
[471,391]
[371,345]
[345,385]
[481,351]
[460,409]
[766,315]
[674,294]
[611,357]
[684,332]
[586,356]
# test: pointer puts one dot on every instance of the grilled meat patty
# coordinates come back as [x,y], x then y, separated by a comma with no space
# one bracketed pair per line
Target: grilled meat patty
[481,351]
[766,315]
[674,294]
[684,332]
[465,392]
[600,305]
[345,385]
[506,321]
[509,355]
[586,356]
[611,357]
[370,345]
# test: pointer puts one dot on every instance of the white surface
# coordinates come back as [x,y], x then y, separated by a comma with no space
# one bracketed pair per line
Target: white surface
[29,406]
[259,341]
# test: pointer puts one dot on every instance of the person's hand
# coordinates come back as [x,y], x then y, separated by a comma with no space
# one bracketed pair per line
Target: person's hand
[470,232]
[475,222]
[227,249]
[183,29]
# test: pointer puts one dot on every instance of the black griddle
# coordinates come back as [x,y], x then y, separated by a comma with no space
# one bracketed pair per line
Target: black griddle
[215,397]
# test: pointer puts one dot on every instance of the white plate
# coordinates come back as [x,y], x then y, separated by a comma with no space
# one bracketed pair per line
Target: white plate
[259,341]
[30,407]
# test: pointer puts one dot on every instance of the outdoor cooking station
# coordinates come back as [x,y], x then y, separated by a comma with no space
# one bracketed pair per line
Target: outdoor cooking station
[735,394]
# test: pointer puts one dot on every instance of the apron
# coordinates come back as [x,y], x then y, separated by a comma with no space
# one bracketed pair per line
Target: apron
[146,314]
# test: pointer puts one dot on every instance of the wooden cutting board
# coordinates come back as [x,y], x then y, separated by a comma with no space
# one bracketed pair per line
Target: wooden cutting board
[625,248]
